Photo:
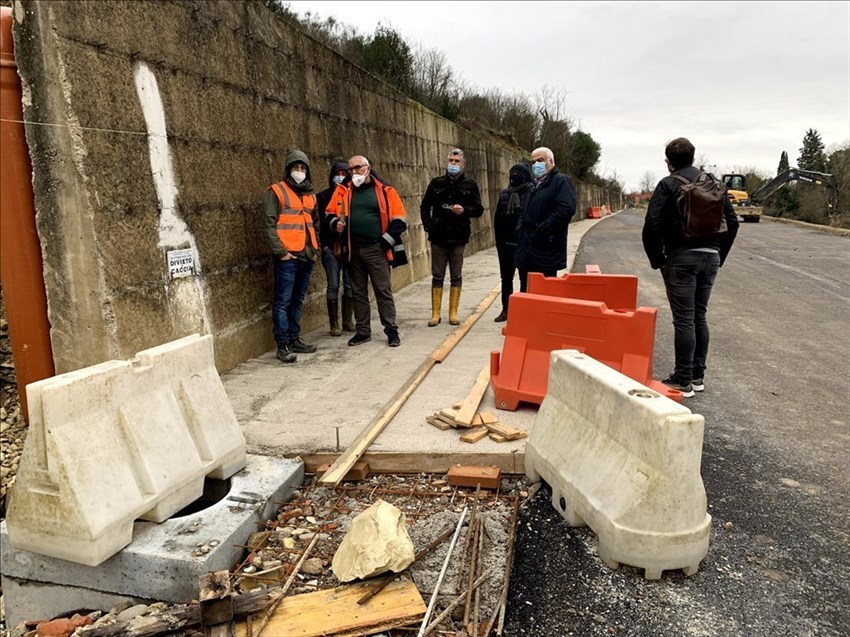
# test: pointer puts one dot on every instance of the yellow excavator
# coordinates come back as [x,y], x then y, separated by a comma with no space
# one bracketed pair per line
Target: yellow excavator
[748,205]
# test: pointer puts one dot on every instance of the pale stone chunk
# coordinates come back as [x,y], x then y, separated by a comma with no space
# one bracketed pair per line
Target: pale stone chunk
[377,542]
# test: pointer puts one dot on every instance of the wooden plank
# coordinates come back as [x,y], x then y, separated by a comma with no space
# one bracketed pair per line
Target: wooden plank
[343,463]
[360,471]
[487,417]
[448,413]
[439,424]
[450,422]
[509,433]
[336,612]
[474,435]
[477,421]
[470,405]
[497,437]
[510,462]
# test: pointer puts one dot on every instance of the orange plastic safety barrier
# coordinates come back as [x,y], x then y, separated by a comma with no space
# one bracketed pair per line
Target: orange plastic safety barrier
[538,324]
[594,212]
[616,291]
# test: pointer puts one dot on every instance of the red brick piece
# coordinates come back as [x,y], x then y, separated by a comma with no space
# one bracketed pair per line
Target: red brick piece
[360,471]
[471,475]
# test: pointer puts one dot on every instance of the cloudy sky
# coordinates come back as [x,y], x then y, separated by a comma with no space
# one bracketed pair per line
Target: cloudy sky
[742,80]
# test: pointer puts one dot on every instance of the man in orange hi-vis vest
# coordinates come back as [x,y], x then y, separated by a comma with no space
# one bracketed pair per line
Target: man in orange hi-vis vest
[289,225]
[370,215]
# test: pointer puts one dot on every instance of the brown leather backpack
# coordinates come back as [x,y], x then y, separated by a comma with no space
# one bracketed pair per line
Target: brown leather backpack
[701,204]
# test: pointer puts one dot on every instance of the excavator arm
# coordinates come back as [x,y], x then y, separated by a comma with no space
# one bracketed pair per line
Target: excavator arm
[796,174]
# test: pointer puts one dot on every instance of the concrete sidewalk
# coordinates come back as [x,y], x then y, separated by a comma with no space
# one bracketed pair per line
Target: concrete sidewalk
[300,409]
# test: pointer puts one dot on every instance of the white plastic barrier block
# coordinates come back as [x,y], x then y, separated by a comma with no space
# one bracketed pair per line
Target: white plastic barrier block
[624,460]
[119,441]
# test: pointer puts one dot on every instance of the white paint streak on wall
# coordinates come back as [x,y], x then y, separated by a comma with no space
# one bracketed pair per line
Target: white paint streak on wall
[189,307]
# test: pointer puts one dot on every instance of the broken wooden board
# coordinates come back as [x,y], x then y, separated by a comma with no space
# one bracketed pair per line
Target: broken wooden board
[508,433]
[487,417]
[467,412]
[474,435]
[439,424]
[336,612]
[497,437]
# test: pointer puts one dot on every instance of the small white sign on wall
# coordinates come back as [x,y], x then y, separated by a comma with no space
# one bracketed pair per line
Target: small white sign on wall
[181,263]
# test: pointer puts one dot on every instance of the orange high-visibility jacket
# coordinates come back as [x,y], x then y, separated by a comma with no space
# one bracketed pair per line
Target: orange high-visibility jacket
[389,204]
[295,220]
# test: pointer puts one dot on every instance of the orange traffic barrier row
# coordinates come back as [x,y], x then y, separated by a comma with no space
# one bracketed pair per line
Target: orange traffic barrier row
[538,324]
[594,212]
[617,291]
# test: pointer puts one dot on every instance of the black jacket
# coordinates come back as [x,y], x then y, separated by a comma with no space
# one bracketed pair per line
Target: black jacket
[326,237]
[662,228]
[506,218]
[443,226]
[542,241]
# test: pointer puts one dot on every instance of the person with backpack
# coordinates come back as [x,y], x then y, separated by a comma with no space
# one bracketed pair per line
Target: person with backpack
[688,232]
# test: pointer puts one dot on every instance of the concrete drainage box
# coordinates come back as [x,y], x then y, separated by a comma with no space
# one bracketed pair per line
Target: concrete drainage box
[164,560]
[119,441]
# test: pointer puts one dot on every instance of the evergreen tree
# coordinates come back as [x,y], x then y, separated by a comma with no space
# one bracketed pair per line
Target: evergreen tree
[783,163]
[812,155]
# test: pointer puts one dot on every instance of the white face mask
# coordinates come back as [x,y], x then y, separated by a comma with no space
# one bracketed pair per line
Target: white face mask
[298,176]
[358,180]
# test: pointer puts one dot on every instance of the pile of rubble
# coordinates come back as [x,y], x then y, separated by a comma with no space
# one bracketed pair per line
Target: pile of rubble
[462,538]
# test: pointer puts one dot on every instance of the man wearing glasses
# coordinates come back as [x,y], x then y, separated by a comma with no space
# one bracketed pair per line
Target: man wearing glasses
[372,216]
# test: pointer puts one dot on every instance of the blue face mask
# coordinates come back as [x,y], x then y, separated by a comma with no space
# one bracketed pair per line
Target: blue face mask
[538,168]
[453,169]
[339,179]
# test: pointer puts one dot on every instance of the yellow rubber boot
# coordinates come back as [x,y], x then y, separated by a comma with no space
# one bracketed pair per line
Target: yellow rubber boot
[454,302]
[436,302]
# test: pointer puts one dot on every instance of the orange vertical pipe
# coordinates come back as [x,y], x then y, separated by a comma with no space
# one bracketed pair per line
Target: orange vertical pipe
[21,273]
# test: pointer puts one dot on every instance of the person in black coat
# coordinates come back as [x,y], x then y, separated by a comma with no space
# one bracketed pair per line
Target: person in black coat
[542,241]
[450,201]
[334,257]
[508,213]
[688,266]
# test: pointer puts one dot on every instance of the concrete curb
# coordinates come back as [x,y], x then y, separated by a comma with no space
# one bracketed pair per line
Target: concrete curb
[841,232]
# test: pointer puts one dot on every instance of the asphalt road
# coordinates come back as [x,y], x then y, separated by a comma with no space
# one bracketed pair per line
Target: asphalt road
[775,458]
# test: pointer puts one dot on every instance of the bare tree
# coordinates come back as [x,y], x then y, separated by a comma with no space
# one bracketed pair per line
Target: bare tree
[647,182]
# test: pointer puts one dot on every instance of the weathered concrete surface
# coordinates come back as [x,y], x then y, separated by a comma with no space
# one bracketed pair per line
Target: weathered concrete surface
[292,410]
[167,120]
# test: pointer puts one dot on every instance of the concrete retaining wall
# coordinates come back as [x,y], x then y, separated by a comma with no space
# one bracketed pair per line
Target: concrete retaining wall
[163,124]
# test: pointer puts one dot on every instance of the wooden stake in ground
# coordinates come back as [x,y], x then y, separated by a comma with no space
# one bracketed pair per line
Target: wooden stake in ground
[343,463]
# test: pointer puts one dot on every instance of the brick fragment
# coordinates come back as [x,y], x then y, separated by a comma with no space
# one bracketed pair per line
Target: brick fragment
[473,475]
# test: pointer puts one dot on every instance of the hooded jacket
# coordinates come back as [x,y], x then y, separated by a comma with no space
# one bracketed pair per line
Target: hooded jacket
[444,227]
[542,241]
[326,237]
[662,229]
[272,211]
[509,208]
